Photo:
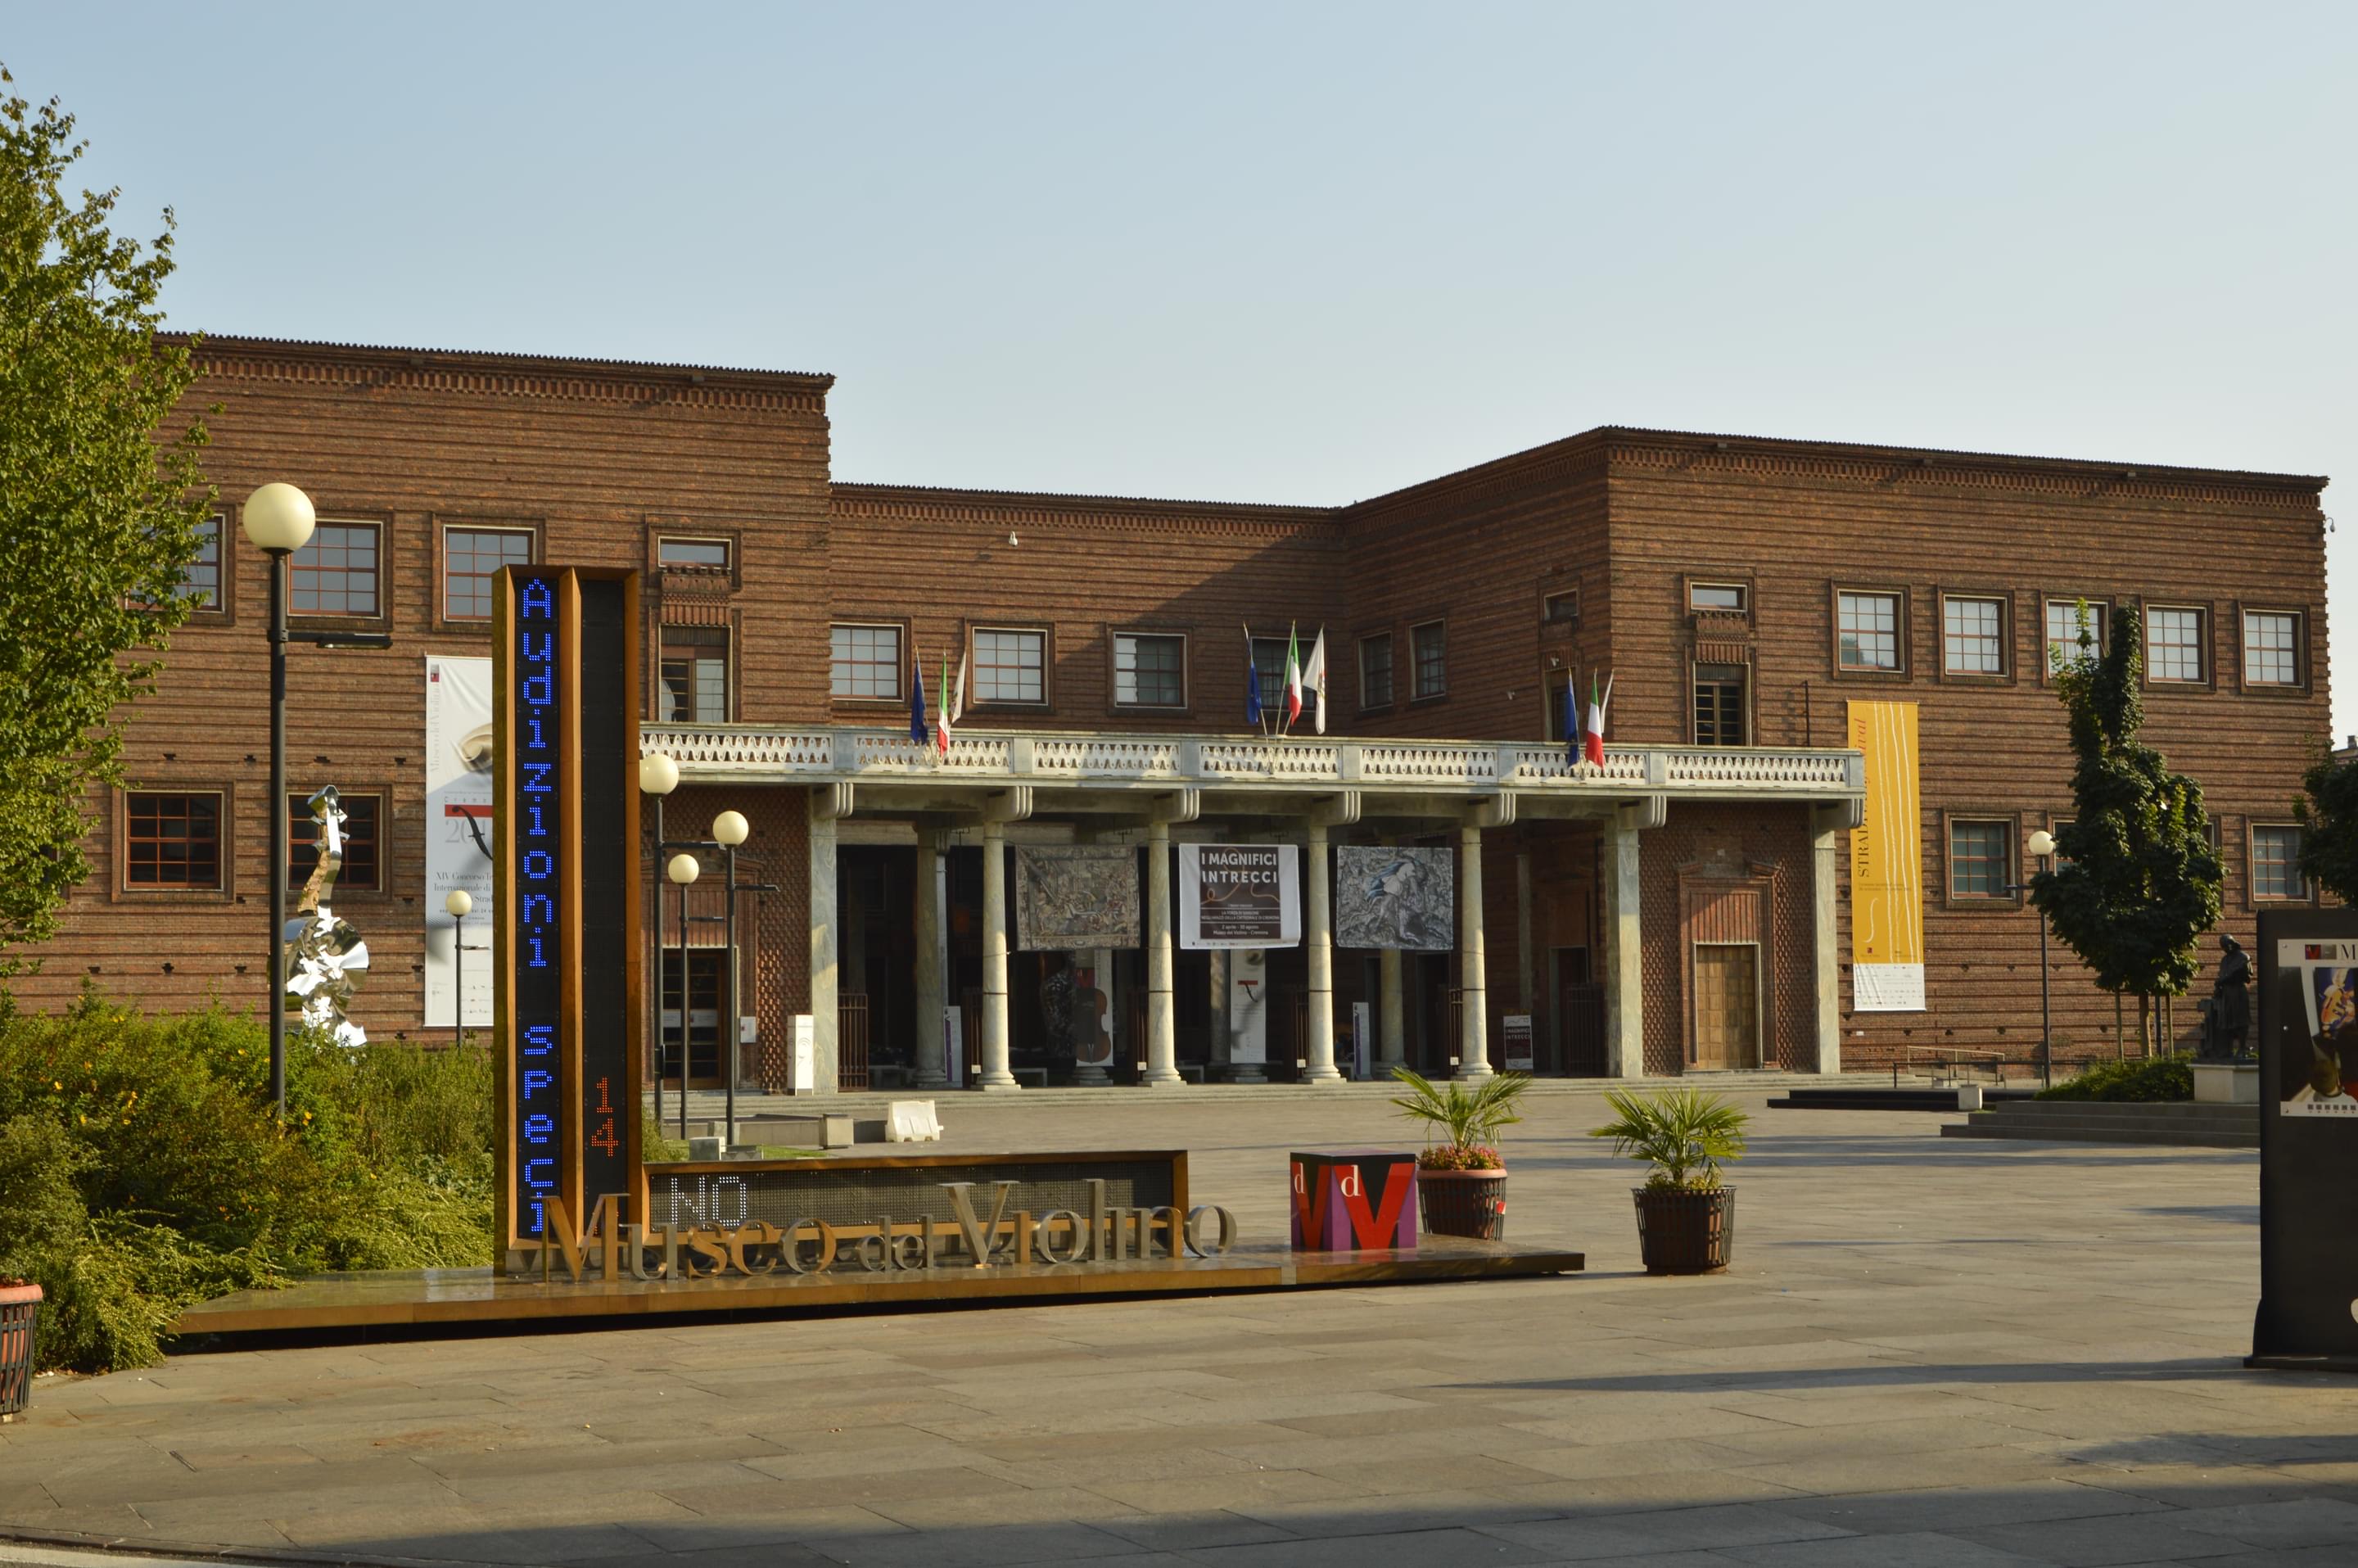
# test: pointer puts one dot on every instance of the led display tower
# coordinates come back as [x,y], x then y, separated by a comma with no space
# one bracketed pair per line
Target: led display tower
[566,939]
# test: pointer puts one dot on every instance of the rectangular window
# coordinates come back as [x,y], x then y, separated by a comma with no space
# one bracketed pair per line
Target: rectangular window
[360,871]
[2173,644]
[1150,671]
[2063,629]
[1268,663]
[1562,608]
[709,553]
[1972,636]
[1726,597]
[864,663]
[202,581]
[1978,859]
[336,573]
[1558,706]
[2276,864]
[469,556]
[1719,705]
[1010,666]
[171,841]
[694,674]
[1376,670]
[2271,648]
[1429,645]
[1867,627]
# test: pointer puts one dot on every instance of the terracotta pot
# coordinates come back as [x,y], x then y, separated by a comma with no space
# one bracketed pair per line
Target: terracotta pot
[1683,1232]
[20,1309]
[1463,1203]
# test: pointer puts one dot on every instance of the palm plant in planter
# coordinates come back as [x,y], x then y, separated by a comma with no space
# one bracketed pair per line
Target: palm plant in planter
[1686,1218]
[1461,1181]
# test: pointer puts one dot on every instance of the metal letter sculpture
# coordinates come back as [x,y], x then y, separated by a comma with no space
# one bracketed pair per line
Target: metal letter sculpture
[323,953]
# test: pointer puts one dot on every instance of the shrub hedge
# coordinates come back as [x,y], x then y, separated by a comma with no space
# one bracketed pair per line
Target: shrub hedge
[2153,1078]
[141,1167]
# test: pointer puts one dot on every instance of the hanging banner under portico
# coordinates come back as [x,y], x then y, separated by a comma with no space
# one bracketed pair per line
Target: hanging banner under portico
[1887,865]
[1240,896]
[1075,898]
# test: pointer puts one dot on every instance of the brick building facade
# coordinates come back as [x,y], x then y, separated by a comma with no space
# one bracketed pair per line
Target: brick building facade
[1740,591]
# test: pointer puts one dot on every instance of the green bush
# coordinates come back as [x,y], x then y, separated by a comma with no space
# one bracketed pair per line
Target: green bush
[142,1169]
[2153,1078]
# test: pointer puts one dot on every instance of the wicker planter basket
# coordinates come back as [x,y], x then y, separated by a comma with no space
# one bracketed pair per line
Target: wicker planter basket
[1464,1202]
[20,1308]
[1683,1232]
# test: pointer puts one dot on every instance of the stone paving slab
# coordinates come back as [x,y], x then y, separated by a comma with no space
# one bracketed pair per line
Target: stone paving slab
[1929,1351]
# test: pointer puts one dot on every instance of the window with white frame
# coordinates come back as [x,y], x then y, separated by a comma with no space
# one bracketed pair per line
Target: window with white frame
[2173,644]
[864,663]
[336,573]
[1010,665]
[2063,629]
[1867,630]
[2271,648]
[469,559]
[2275,863]
[1972,635]
[1149,669]
[1980,858]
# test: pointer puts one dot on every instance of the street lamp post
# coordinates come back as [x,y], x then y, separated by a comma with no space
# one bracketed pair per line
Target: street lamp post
[683,871]
[2041,845]
[658,776]
[278,520]
[728,831]
[458,905]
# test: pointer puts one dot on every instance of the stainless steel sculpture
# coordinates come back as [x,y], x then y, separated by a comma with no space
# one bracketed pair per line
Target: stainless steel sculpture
[324,954]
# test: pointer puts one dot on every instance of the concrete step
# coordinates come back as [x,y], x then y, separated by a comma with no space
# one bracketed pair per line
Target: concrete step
[2099,1121]
[2149,1136]
[2194,1109]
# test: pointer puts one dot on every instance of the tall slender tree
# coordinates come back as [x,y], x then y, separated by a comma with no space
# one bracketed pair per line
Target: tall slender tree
[98,514]
[2136,882]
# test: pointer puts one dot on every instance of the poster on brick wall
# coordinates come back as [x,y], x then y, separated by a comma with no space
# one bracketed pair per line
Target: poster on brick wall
[1887,865]
[457,839]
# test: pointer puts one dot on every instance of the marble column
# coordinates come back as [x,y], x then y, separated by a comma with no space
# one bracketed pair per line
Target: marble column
[1527,960]
[1625,978]
[823,943]
[995,1074]
[1318,942]
[1392,1033]
[1161,1021]
[1474,996]
[1824,866]
[933,998]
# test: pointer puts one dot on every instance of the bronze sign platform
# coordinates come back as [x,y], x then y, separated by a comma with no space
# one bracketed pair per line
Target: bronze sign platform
[458,1296]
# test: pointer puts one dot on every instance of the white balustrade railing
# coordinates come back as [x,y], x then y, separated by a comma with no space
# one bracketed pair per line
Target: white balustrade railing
[850,753]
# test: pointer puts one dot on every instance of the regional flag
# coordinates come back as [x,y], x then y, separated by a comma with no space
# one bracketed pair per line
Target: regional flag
[1292,677]
[1313,675]
[953,704]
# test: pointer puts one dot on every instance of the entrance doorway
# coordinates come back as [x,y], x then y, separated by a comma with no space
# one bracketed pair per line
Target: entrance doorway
[1728,1005]
[708,975]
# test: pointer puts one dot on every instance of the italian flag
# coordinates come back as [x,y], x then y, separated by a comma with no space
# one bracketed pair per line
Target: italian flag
[953,704]
[1292,677]
[1594,750]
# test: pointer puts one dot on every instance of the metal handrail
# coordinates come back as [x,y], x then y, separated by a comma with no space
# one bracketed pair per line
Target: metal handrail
[1995,1061]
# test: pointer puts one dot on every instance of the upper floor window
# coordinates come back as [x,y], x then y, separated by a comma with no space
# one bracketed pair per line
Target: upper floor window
[2271,648]
[694,674]
[865,662]
[1867,630]
[1972,636]
[2173,644]
[1150,670]
[692,552]
[1726,597]
[1429,645]
[1718,705]
[1980,858]
[469,559]
[1376,670]
[2275,863]
[2063,629]
[202,581]
[171,841]
[1268,668]
[336,573]
[1562,608]
[1010,666]
[360,870]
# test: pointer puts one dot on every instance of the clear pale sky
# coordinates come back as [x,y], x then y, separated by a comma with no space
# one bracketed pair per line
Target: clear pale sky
[1294,252]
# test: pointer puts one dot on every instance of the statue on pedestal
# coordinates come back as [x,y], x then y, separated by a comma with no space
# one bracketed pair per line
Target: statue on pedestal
[2227,1026]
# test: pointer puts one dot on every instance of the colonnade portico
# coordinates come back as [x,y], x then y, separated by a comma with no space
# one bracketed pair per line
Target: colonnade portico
[1155,790]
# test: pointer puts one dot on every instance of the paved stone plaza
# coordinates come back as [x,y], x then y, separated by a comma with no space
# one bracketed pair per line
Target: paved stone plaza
[1929,1353]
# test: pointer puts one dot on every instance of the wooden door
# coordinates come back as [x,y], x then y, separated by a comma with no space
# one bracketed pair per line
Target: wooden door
[1728,1005]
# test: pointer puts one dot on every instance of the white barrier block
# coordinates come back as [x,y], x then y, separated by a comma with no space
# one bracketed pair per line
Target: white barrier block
[912,1122]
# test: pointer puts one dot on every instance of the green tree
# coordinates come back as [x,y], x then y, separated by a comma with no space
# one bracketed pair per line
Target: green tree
[98,513]
[2328,814]
[2136,882]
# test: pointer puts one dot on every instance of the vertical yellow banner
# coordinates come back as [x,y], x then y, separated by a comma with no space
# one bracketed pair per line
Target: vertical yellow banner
[1887,865]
